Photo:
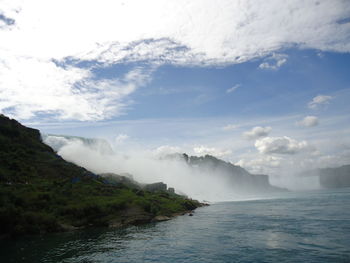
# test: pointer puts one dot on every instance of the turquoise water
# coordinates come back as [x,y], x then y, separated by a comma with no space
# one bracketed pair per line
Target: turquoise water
[293,227]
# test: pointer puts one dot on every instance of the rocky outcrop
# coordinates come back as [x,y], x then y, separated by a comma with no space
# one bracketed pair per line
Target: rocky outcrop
[160,186]
[161,218]
[127,179]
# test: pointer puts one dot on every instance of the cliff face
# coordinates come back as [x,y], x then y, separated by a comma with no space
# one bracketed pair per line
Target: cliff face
[40,192]
[23,157]
[237,177]
[335,177]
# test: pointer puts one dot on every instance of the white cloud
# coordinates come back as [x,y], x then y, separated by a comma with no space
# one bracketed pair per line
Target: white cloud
[234,88]
[204,150]
[200,32]
[230,127]
[308,121]
[30,86]
[229,31]
[121,138]
[318,101]
[257,132]
[274,62]
[166,149]
[280,145]
[260,163]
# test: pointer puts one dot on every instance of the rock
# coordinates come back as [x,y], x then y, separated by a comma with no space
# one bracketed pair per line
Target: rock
[160,218]
[135,216]
[116,179]
[160,186]
[171,190]
[66,227]
[115,223]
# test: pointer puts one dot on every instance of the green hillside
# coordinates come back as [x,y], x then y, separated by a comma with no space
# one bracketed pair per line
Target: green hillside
[40,192]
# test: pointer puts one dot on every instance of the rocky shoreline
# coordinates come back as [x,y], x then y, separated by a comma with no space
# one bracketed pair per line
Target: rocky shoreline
[135,217]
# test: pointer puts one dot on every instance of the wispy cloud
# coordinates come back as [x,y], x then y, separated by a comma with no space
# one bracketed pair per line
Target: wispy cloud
[318,101]
[258,164]
[257,132]
[204,150]
[230,127]
[274,62]
[121,138]
[166,149]
[308,121]
[234,88]
[202,99]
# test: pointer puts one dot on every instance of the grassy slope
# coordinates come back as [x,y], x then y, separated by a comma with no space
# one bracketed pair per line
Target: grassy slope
[40,192]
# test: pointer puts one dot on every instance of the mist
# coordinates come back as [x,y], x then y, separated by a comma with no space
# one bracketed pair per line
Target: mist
[295,180]
[149,167]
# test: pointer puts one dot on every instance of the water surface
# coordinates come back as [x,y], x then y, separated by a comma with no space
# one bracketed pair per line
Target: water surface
[292,227]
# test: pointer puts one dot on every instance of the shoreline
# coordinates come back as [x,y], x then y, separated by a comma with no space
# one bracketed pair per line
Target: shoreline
[136,219]
[124,221]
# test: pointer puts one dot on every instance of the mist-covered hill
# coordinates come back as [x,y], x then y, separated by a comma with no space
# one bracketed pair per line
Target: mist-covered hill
[234,176]
[203,178]
[41,192]
[335,177]
[56,142]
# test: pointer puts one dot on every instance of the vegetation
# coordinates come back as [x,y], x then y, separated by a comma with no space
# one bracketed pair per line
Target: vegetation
[40,192]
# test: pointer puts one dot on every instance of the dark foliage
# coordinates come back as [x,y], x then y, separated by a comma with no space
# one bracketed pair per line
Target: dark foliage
[40,192]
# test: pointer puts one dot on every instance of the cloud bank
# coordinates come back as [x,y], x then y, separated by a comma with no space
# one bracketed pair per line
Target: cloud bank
[48,60]
[230,127]
[202,183]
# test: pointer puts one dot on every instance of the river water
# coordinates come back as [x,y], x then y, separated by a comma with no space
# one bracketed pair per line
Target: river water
[290,227]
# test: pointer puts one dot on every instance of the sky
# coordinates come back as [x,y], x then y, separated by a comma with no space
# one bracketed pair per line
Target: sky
[264,84]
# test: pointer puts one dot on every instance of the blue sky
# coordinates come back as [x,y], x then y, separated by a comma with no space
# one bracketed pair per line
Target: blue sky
[203,92]
[263,84]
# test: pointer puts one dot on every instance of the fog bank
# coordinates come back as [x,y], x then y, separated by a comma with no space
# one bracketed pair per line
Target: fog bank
[149,167]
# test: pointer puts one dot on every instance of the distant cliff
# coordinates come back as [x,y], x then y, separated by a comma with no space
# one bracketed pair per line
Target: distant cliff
[239,179]
[335,177]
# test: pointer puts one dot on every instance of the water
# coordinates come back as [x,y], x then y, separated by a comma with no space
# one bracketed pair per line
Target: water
[292,227]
